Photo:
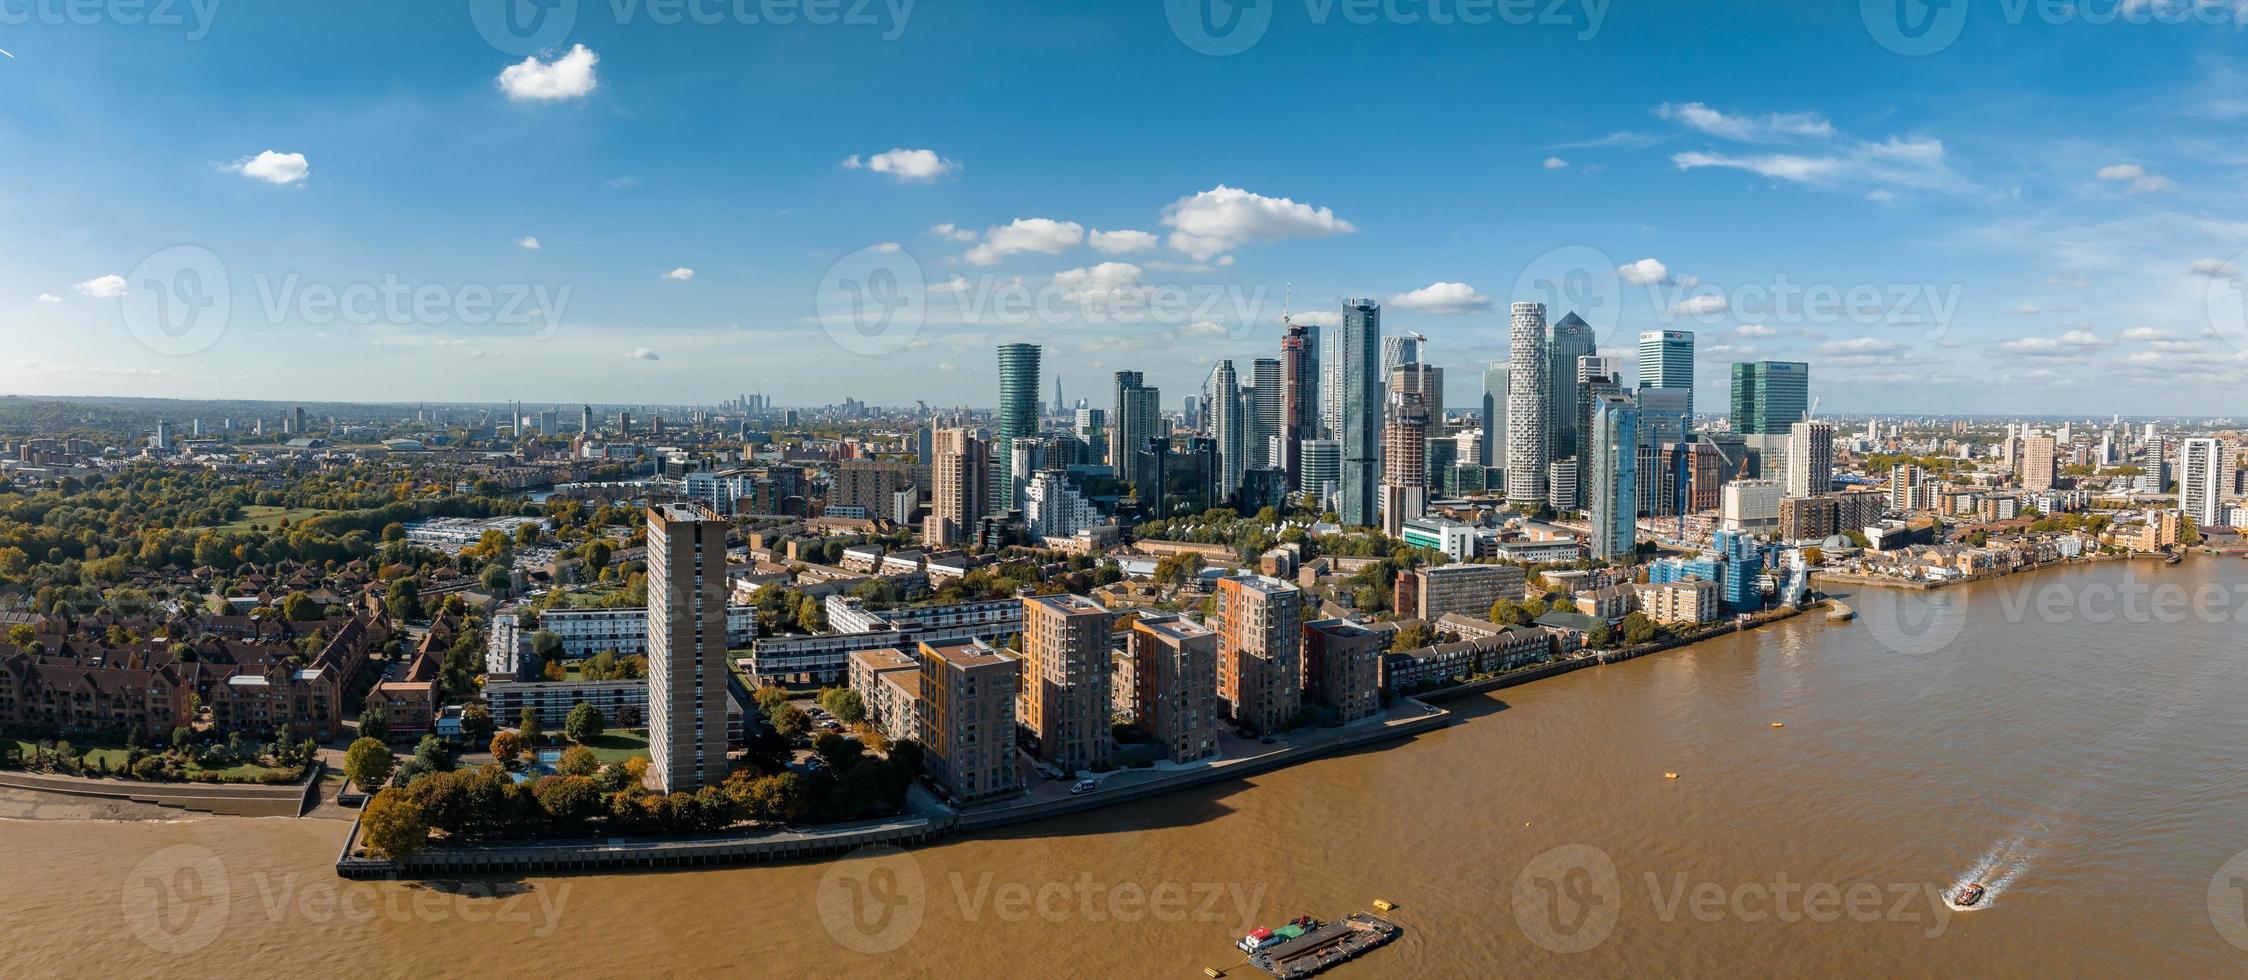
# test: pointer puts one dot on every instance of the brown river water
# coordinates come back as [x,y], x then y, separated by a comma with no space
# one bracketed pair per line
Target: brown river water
[2073,739]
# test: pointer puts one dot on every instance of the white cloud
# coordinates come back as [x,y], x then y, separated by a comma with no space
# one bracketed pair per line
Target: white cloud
[2027,309]
[528,241]
[643,354]
[1755,330]
[2213,269]
[1042,235]
[2074,341]
[887,248]
[1443,299]
[1556,163]
[1319,318]
[1859,345]
[274,167]
[1645,272]
[1206,328]
[102,287]
[956,284]
[2148,333]
[952,232]
[1705,304]
[903,165]
[49,298]
[681,274]
[570,76]
[2134,178]
[1769,128]
[1874,167]
[1221,218]
[1108,280]
[1121,242]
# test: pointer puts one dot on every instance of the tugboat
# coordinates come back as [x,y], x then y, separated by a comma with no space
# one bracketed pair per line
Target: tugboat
[1968,896]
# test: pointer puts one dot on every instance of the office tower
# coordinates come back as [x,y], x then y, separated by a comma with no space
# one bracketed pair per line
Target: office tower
[1810,459]
[1526,440]
[1267,422]
[1222,396]
[550,423]
[1613,493]
[1299,402]
[1342,668]
[1018,412]
[2205,476]
[1770,396]
[1175,684]
[1023,460]
[1493,450]
[163,436]
[1065,683]
[1596,375]
[1191,412]
[1362,409]
[1060,407]
[1405,441]
[1331,382]
[585,419]
[1322,463]
[1567,340]
[1424,380]
[1666,360]
[1260,667]
[1663,415]
[2040,462]
[1092,431]
[1398,351]
[959,493]
[687,697]
[967,718]
[296,420]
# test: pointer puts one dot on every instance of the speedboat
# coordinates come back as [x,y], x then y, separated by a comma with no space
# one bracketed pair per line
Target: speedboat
[1969,895]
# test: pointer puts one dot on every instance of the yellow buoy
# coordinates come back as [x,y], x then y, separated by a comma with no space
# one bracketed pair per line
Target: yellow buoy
[1779,724]
[1670,775]
[1383,905]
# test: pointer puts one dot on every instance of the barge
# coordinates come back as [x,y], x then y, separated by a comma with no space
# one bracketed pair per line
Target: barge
[1307,946]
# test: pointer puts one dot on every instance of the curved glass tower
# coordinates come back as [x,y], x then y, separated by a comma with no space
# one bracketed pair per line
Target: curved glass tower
[1018,413]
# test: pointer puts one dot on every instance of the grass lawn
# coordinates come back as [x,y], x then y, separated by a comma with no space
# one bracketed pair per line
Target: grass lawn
[272,517]
[114,757]
[618,745]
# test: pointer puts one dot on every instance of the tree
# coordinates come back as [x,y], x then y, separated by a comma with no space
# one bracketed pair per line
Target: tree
[1510,612]
[838,752]
[527,727]
[392,825]
[432,752]
[404,600]
[578,760]
[1639,629]
[791,722]
[299,608]
[584,723]
[476,723]
[506,748]
[845,704]
[1413,637]
[21,635]
[368,763]
[374,720]
[1601,637]
[496,579]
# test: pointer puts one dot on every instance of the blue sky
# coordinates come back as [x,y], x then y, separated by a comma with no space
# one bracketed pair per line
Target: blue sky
[2043,216]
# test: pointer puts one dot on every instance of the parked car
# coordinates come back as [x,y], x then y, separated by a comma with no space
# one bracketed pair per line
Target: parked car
[1083,787]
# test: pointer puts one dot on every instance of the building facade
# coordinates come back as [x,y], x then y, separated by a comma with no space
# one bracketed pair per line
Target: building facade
[687,695]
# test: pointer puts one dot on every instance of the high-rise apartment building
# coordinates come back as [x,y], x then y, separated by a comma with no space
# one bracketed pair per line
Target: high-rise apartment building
[1612,495]
[1299,398]
[1770,396]
[1065,684]
[1231,427]
[1666,360]
[1267,422]
[1260,665]
[1361,433]
[959,491]
[866,487]
[1527,442]
[687,697]
[2041,463]
[1342,669]
[2205,476]
[1018,413]
[1810,459]
[1175,685]
[1493,449]
[1138,418]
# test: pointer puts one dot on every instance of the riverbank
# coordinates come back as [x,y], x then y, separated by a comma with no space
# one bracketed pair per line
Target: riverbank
[1819,578]
[223,799]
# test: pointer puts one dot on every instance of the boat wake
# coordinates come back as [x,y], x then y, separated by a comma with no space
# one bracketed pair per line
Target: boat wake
[1996,869]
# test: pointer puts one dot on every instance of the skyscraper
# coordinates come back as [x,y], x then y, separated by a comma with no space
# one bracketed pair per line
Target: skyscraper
[2040,462]
[1362,409]
[1269,421]
[1526,439]
[1260,647]
[1493,450]
[1613,495]
[1299,408]
[1403,349]
[1666,360]
[2205,475]
[687,698]
[1567,339]
[1018,412]
[1331,382]
[1810,459]
[1222,395]
[959,467]
[1770,396]
[1138,409]
[1065,683]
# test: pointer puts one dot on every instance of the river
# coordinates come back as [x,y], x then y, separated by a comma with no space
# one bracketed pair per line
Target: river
[2072,738]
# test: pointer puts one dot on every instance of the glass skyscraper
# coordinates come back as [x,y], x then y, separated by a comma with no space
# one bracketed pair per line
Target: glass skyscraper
[1018,413]
[1361,357]
[1769,396]
[1666,360]
[1613,495]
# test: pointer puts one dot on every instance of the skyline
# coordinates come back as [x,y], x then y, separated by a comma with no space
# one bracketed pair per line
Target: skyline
[672,214]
